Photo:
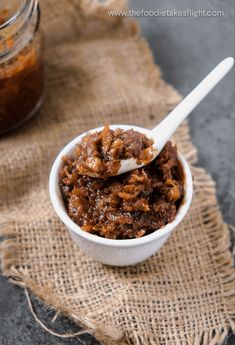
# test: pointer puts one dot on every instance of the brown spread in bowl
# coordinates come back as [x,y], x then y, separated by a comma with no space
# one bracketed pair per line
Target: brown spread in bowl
[126,206]
[99,154]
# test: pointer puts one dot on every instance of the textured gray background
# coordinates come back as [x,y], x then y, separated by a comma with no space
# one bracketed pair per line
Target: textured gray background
[186,49]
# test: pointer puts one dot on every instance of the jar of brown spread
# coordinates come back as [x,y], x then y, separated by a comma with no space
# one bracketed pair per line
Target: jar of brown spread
[21,69]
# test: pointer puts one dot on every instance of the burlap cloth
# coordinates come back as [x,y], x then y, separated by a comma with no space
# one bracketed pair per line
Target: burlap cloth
[99,70]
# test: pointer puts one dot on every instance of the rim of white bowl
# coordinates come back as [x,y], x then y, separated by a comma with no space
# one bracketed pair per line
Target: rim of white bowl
[59,206]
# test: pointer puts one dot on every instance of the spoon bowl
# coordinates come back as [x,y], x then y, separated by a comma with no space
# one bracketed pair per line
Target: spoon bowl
[116,252]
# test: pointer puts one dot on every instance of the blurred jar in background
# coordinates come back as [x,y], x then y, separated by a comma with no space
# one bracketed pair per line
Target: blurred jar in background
[21,68]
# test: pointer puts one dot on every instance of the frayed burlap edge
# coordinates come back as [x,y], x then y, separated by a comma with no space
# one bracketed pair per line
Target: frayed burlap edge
[221,255]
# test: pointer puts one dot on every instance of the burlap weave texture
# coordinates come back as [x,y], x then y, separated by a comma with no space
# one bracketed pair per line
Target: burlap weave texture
[99,70]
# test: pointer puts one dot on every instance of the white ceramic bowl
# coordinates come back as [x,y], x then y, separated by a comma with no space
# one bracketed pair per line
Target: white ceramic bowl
[115,252]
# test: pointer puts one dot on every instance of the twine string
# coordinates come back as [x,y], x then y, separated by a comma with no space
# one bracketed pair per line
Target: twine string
[49,330]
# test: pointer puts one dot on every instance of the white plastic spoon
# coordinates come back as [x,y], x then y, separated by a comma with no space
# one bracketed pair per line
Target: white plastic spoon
[164,130]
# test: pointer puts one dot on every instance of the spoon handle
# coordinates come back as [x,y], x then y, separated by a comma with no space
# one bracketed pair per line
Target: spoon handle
[163,131]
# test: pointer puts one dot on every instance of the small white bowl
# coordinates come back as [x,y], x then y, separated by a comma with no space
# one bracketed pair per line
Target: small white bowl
[115,252]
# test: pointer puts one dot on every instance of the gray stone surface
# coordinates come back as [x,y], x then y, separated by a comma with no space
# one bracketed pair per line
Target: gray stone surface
[186,49]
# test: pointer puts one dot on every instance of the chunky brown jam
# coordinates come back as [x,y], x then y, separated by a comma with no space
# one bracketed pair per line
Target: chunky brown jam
[99,153]
[21,84]
[126,206]
[4,15]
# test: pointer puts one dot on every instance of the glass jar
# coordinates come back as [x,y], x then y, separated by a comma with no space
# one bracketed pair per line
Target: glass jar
[21,68]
